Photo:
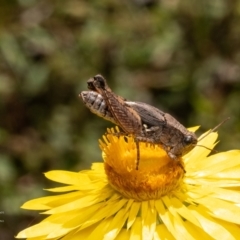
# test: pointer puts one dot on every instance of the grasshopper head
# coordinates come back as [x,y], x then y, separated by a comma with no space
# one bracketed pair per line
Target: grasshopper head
[189,142]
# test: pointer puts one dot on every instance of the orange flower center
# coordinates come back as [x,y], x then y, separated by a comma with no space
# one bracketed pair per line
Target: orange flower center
[157,174]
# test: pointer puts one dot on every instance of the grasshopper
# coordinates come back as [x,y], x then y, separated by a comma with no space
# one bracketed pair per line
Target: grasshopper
[145,122]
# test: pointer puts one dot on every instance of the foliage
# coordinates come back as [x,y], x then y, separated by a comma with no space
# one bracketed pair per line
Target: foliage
[180,56]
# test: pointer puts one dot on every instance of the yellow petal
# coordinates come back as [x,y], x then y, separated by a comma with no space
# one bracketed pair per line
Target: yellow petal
[38,230]
[77,235]
[214,167]
[101,229]
[117,206]
[165,217]
[193,129]
[136,230]
[98,166]
[216,228]
[221,209]
[62,189]
[123,235]
[78,204]
[103,212]
[180,229]
[133,213]
[79,218]
[67,177]
[230,173]
[149,218]
[224,194]
[163,233]
[197,232]
[39,203]
[116,225]
[215,182]
[183,210]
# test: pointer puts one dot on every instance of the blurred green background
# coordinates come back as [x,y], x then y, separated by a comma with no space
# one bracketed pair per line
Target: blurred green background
[180,56]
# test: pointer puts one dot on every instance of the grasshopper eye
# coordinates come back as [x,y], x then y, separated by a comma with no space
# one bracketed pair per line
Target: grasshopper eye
[188,139]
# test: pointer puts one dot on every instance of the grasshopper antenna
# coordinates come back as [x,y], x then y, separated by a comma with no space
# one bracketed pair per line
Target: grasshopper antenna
[213,150]
[214,129]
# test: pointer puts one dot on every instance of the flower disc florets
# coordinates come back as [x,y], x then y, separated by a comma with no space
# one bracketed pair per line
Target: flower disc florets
[157,174]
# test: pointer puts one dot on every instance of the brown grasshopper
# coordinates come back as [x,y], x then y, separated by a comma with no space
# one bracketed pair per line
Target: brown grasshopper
[145,122]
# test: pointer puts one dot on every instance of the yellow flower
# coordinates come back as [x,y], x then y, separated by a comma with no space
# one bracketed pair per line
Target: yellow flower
[196,197]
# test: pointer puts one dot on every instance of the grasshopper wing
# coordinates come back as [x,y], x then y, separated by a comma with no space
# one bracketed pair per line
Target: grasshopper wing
[150,115]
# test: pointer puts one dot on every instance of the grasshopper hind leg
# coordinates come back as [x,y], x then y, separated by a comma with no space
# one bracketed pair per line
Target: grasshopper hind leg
[138,153]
